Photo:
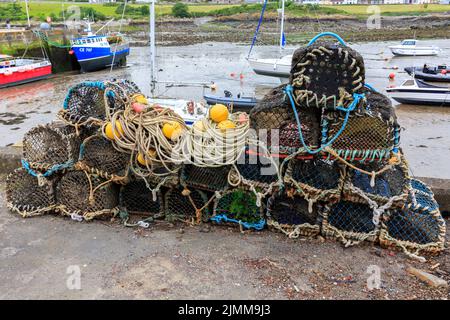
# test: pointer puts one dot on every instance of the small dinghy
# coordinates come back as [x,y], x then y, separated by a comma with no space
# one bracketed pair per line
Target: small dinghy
[414,91]
[440,73]
[409,47]
[239,103]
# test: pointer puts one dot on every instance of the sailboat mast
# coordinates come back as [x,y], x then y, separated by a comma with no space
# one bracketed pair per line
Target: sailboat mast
[28,13]
[152,48]
[282,27]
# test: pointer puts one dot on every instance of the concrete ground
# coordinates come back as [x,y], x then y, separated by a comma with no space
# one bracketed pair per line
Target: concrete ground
[38,257]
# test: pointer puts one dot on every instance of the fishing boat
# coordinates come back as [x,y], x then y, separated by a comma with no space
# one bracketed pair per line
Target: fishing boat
[238,103]
[15,71]
[95,52]
[410,47]
[440,73]
[415,91]
[272,67]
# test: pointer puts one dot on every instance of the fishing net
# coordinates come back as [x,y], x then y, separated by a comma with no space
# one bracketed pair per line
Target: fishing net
[50,148]
[238,206]
[98,156]
[370,133]
[257,171]
[187,205]
[136,198]
[349,222]
[326,74]
[291,215]
[85,196]
[316,179]
[420,188]
[90,102]
[273,119]
[28,196]
[205,178]
[417,227]
[390,187]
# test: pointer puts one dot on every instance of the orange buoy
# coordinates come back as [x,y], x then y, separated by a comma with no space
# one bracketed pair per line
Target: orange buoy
[392,76]
[444,72]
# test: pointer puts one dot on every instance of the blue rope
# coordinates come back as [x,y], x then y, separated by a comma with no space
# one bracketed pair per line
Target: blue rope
[255,36]
[368,86]
[323,34]
[356,98]
[248,225]
[53,169]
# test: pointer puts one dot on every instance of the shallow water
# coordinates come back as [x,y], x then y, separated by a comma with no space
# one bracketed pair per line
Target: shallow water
[425,138]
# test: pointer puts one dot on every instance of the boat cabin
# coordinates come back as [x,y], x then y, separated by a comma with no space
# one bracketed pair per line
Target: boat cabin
[409,42]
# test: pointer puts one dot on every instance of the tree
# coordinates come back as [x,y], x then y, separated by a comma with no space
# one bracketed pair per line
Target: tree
[180,10]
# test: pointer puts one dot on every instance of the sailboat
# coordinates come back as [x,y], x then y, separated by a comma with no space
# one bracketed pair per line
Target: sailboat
[190,111]
[273,67]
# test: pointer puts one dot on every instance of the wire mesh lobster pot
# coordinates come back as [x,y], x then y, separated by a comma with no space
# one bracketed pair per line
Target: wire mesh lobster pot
[136,198]
[256,171]
[238,206]
[98,156]
[417,227]
[275,123]
[315,180]
[205,178]
[388,188]
[29,196]
[91,101]
[324,73]
[371,132]
[186,204]
[290,215]
[81,194]
[349,222]
[49,148]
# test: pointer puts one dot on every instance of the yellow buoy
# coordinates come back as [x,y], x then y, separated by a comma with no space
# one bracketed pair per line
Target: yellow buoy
[140,98]
[218,113]
[172,130]
[226,124]
[118,130]
[144,160]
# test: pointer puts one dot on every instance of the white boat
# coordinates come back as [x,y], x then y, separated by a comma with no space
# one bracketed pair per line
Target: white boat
[414,91]
[409,47]
[279,68]
[274,67]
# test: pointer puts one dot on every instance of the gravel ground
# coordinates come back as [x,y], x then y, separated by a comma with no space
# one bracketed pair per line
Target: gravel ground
[182,262]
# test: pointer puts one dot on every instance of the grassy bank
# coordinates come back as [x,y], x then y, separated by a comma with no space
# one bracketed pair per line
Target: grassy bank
[40,10]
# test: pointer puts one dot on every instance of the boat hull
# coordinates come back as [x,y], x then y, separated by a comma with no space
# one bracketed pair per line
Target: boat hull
[411,96]
[237,103]
[17,78]
[102,62]
[271,68]
[419,74]
[414,52]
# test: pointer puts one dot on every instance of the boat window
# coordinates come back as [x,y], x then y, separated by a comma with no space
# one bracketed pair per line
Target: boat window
[408,43]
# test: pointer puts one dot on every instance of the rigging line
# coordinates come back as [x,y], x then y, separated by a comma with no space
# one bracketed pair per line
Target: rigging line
[317,18]
[120,30]
[255,36]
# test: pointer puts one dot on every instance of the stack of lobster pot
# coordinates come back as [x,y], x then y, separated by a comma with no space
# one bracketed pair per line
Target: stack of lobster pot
[346,176]
[67,165]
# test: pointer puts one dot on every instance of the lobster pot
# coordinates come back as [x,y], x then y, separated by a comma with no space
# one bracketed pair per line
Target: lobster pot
[371,133]
[238,206]
[274,120]
[316,179]
[418,187]
[254,169]
[157,174]
[50,148]
[98,156]
[388,188]
[137,198]
[74,190]
[349,222]
[417,227]
[323,73]
[28,196]
[291,215]
[93,100]
[179,205]
[205,178]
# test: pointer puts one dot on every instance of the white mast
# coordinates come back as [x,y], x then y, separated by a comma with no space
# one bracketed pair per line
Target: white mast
[28,13]
[152,48]
[282,26]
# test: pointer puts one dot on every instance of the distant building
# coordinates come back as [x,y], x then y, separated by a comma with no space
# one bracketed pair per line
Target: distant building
[444,2]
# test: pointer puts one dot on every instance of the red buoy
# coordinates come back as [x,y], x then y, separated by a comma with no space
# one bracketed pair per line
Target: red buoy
[391,75]
[444,72]
[70,52]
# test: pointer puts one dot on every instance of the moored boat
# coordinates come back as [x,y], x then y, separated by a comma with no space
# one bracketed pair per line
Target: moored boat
[410,47]
[279,68]
[239,103]
[414,91]
[15,71]
[440,73]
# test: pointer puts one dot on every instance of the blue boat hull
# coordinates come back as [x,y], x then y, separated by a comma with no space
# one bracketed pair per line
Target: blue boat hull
[99,58]
[244,104]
